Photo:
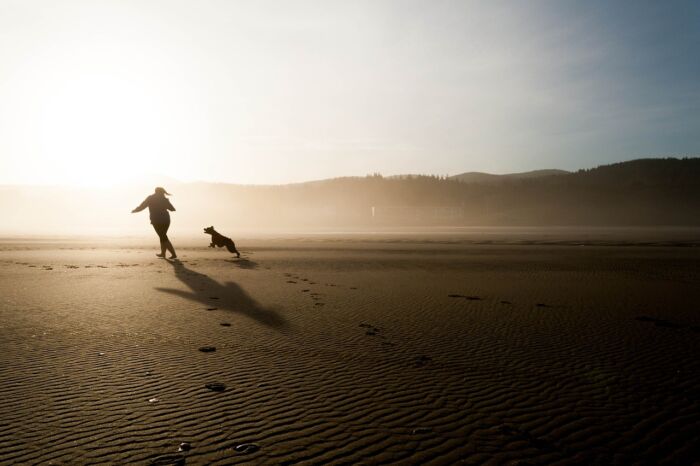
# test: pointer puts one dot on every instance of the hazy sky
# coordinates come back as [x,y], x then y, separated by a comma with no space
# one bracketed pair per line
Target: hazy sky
[97,92]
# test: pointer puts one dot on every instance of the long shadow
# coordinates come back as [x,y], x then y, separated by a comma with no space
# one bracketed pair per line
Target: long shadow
[230,296]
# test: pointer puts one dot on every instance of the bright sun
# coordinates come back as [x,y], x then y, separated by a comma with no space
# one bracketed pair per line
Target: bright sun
[98,131]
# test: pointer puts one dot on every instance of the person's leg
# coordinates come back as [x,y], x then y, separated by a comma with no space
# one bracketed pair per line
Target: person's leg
[161,230]
[170,247]
[168,244]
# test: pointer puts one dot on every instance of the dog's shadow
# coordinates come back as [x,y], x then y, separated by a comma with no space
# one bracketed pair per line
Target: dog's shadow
[229,297]
[243,263]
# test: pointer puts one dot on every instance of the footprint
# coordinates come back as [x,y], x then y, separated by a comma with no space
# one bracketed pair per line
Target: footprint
[371,330]
[213,297]
[422,360]
[421,430]
[291,281]
[207,349]
[645,319]
[225,324]
[524,435]
[659,322]
[305,291]
[212,308]
[470,298]
[506,302]
[216,386]
[319,304]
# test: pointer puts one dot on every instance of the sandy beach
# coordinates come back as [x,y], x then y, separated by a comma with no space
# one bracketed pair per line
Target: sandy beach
[350,351]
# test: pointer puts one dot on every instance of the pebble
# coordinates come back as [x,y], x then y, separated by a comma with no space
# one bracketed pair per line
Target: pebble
[168,460]
[247,448]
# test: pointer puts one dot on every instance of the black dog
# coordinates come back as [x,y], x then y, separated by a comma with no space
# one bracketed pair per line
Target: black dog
[217,239]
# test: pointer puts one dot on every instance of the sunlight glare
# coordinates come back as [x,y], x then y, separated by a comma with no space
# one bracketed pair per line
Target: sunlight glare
[99,130]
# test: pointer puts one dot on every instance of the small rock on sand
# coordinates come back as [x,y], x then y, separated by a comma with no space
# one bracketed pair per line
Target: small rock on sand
[167,460]
[247,448]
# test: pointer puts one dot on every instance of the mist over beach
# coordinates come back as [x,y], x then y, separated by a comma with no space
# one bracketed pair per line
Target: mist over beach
[369,232]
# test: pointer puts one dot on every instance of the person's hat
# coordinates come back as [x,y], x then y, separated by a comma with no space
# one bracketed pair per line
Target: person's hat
[162,190]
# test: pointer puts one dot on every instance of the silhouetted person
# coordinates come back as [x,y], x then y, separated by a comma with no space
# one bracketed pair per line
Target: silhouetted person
[158,207]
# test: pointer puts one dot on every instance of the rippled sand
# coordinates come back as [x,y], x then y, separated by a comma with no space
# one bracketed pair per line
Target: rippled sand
[350,352]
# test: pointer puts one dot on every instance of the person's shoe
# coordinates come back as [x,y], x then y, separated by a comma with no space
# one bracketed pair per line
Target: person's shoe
[173,257]
[161,255]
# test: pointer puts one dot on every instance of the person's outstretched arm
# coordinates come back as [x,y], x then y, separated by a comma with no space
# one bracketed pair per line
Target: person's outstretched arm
[143,205]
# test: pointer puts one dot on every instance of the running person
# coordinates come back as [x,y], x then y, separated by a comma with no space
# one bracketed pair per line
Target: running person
[158,207]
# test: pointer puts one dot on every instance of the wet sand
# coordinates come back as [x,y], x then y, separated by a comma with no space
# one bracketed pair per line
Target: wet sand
[350,351]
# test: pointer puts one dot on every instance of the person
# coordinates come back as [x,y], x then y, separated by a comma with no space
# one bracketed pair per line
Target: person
[158,207]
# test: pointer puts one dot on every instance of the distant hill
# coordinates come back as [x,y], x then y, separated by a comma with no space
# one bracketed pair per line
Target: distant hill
[479,177]
[639,192]
[644,192]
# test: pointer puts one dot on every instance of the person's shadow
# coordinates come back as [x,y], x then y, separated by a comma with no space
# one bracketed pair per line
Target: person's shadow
[230,296]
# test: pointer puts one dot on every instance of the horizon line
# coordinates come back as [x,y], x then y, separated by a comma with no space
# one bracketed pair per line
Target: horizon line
[177,181]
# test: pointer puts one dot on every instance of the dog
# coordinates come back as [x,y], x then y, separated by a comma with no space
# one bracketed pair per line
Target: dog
[217,239]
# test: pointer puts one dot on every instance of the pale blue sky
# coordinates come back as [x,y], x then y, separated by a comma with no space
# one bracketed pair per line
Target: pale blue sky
[284,91]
